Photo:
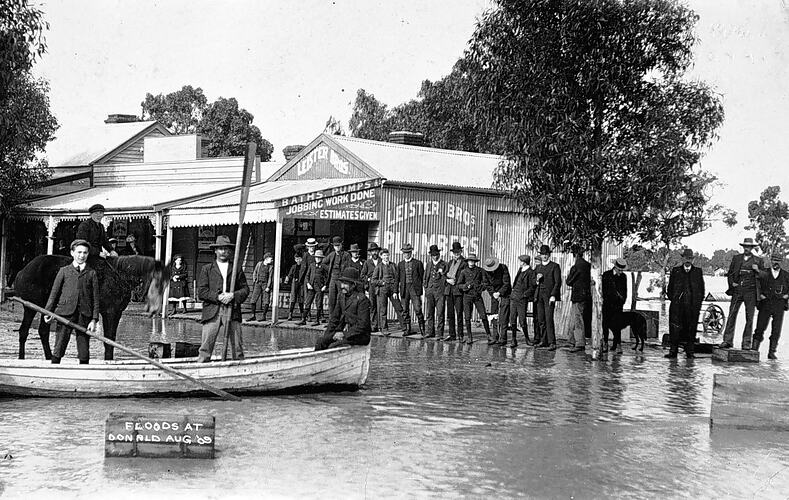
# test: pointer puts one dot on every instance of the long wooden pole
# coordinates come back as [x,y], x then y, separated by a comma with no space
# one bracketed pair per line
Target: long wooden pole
[173,371]
[249,164]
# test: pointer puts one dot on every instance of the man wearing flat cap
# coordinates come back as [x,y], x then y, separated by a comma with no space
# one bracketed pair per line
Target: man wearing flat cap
[435,281]
[336,262]
[92,231]
[614,290]
[686,293]
[773,301]
[411,273]
[349,322]
[522,295]
[221,304]
[579,279]
[499,288]
[743,278]
[549,285]
[262,286]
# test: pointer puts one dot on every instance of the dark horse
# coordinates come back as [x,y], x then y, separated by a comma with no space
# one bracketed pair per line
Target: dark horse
[34,282]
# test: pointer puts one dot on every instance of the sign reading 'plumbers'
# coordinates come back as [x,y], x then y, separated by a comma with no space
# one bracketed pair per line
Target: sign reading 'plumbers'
[354,202]
[449,222]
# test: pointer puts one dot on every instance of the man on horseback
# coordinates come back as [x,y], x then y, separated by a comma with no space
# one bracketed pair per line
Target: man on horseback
[92,231]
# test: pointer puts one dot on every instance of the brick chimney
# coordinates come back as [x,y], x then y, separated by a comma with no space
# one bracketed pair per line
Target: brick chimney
[406,137]
[118,118]
[291,151]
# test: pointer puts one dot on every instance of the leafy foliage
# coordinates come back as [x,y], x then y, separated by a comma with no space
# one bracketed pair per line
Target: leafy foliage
[22,40]
[370,118]
[768,218]
[333,127]
[26,126]
[601,133]
[226,127]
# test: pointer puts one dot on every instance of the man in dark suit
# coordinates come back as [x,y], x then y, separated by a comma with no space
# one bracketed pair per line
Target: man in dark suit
[435,281]
[367,275]
[316,286]
[743,277]
[387,282]
[92,231]
[773,301]
[410,275]
[306,264]
[580,280]
[522,295]
[686,292]
[337,261]
[220,304]
[499,288]
[453,294]
[75,296]
[349,322]
[614,290]
[472,282]
[355,261]
[549,283]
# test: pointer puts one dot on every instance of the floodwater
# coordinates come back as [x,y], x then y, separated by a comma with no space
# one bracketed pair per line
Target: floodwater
[434,420]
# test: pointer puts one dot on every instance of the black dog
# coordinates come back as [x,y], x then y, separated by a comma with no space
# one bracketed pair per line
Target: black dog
[637,324]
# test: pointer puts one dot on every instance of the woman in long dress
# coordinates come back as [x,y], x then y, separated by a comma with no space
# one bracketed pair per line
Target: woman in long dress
[179,284]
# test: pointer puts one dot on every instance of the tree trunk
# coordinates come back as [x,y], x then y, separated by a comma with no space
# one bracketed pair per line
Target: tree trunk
[597,283]
[636,279]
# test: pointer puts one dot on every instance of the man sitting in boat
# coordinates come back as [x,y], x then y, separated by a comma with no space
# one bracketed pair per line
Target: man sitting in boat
[75,296]
[349,323]
[213,288]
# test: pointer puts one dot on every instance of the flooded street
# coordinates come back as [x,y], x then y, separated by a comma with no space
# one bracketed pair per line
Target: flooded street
[434,420]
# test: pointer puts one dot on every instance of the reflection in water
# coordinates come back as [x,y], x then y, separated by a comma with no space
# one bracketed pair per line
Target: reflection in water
[434,420]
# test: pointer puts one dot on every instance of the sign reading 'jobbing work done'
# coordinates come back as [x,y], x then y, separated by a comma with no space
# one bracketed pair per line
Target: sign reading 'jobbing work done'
[353,202]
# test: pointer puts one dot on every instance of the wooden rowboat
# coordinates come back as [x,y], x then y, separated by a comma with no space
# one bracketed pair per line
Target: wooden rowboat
[294,370]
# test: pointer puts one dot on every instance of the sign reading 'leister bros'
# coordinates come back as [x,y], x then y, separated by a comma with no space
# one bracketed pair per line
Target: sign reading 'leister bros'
[357,201]
[159,436]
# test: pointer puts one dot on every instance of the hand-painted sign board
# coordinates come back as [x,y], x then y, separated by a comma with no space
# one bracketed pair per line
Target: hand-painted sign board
[358,201]
[159,435]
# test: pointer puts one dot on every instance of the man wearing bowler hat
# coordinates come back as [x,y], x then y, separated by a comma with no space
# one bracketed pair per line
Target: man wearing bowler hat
[306,263]
[337,261]
[686,292]
[743,278]
[349,322]
[367,275]
[522,295]
[499,287]
[221,305]
[355,261]
[453,294]
[614,291]
[472,282]
[92,231]
[410,274]
[549,283]
[773,301]
[435,276]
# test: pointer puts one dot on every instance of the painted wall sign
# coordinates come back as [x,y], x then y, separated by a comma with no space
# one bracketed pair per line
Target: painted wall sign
[323,162]
[159,435]
[354,202]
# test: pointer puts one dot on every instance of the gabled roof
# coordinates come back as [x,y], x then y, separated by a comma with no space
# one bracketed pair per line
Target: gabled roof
[101,142]
[407,164]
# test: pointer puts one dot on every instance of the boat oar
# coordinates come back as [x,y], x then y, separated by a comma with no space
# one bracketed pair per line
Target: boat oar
[173,371]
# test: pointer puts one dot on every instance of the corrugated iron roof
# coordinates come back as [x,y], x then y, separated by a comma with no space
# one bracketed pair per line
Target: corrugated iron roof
[399,162]
[98,141]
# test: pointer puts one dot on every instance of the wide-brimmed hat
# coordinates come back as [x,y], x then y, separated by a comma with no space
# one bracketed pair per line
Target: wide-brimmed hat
[354,248]
[311,242]
[472,257]
[318,253]
[76,243]
[407,248]
[545,250]
[687,254]
[350,274]
[776,257]
[434,250]
[490,264]
[222,241]
[620,263]
[96,207]
[456,246]
[748,242]
[373,246]
[336,240]
[525,258]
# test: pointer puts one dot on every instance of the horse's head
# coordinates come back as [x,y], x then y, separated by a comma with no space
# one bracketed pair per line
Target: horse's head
[158,277]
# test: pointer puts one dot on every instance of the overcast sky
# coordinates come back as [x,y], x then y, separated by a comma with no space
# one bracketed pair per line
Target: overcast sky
[293,64]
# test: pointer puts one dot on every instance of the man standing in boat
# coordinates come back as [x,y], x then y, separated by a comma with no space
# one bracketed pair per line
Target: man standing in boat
[75,296]
[349,323]
[221,305]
